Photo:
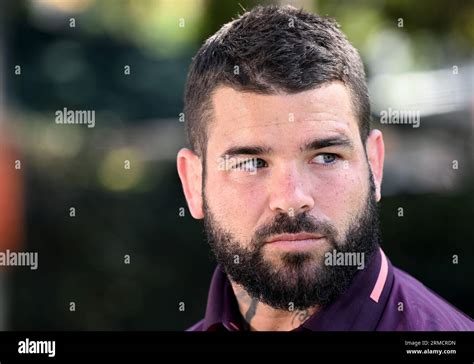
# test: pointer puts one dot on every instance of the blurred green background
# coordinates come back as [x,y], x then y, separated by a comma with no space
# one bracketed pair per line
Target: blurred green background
[426,64]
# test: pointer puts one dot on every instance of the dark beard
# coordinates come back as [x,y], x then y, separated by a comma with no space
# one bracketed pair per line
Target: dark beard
[303,280]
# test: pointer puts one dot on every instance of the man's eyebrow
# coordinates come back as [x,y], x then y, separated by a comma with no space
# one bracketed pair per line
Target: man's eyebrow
[246,149]
[312,145]
[328,142]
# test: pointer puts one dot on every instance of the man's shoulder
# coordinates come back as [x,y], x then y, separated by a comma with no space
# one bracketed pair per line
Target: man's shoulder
[198,326]
[416,307]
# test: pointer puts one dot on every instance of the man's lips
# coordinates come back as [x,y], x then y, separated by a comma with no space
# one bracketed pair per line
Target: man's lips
[293,237]
[295,242]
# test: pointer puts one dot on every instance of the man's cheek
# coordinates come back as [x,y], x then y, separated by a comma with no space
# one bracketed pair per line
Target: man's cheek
[225,198]
[240,189]
[339,196]
[241,209]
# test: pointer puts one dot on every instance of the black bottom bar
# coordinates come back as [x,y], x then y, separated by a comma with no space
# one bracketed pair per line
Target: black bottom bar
[399,346]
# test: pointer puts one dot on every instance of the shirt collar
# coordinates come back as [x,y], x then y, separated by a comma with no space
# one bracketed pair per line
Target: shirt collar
[359,308]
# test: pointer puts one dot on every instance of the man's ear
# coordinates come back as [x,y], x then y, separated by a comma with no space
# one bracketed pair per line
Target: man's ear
[190,172]
[376,153]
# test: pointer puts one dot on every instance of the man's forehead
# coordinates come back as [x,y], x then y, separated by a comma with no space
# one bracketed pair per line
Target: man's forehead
[249,116]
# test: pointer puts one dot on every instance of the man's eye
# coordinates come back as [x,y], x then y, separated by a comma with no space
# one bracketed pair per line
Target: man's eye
[326,158]
[251,164]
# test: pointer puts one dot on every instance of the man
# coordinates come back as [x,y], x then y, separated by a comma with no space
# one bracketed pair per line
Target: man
[286,173]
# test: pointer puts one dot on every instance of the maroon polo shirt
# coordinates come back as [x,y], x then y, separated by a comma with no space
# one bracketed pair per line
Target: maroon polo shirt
[381,297]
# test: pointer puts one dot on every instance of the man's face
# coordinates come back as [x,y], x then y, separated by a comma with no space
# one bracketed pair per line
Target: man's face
[286,180]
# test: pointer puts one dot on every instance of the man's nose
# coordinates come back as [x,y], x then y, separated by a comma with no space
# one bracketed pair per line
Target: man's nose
[290,191]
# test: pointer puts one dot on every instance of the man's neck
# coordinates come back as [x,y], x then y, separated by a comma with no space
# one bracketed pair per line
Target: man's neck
[261,317]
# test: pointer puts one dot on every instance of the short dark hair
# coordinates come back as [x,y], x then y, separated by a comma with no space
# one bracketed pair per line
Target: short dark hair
[274,49]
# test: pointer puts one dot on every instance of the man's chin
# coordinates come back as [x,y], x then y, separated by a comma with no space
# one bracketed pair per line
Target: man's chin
[297,259]
[291,281]
[294,267]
